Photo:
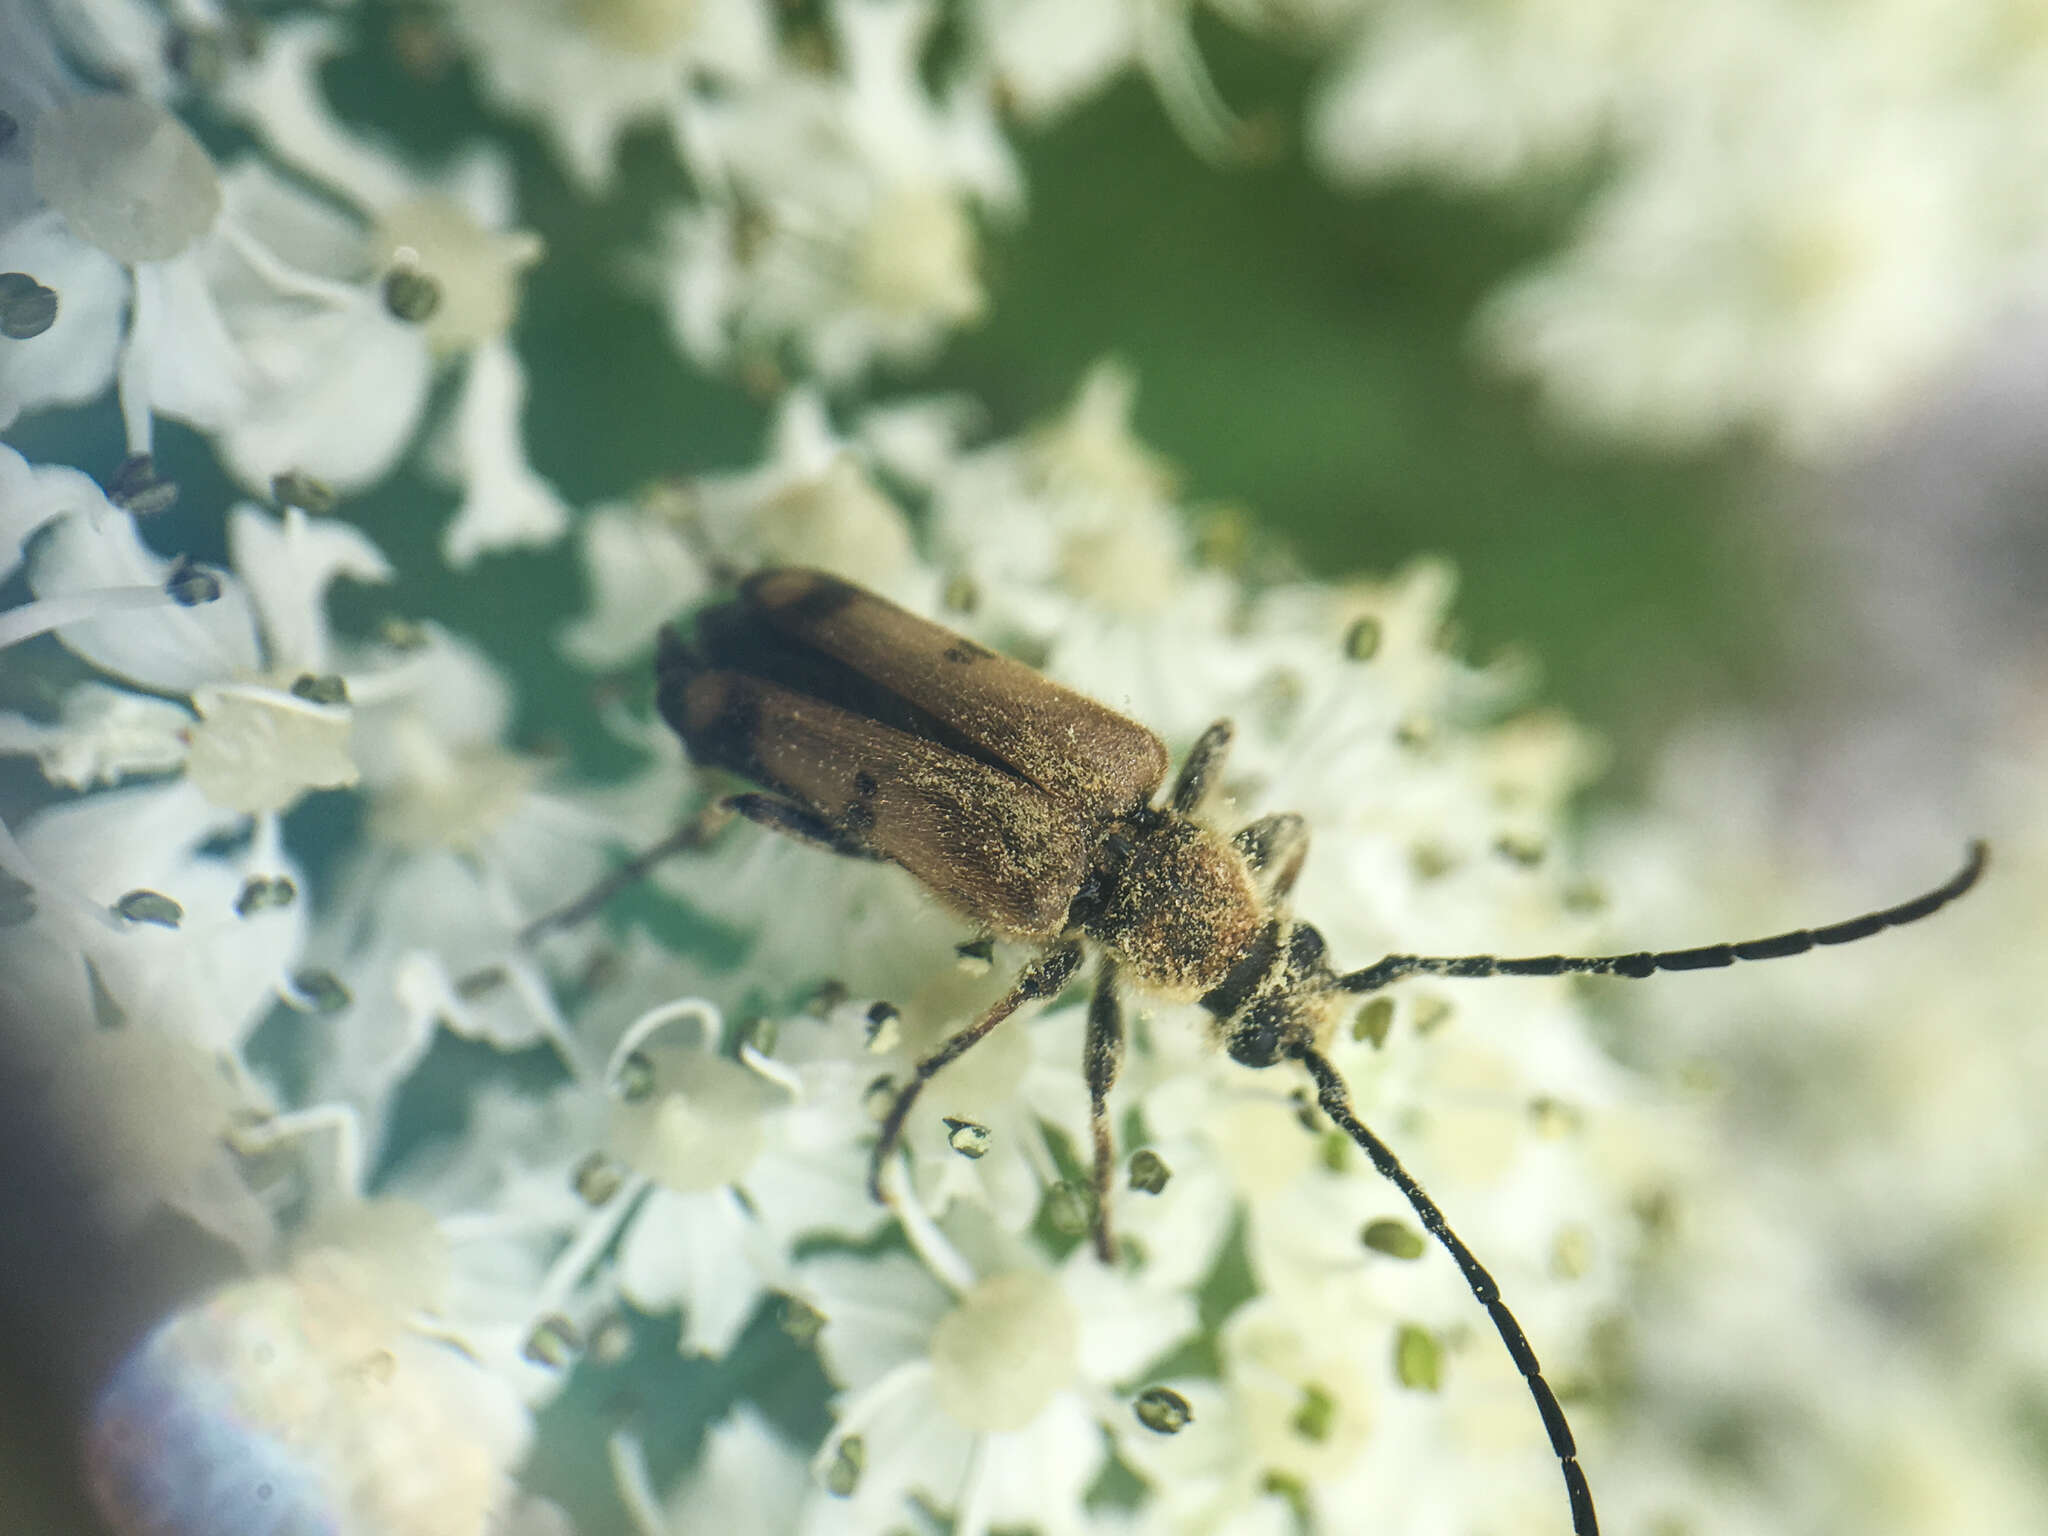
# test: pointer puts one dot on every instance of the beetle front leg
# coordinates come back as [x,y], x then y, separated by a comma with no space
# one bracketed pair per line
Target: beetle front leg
[1203,767]
[1276,847]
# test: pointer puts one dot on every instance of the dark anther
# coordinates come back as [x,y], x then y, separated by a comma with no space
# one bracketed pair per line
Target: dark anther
[411,295]
[1162,1410]
[138,490]
[327,688]
[1362,639]
[27,308]
[294,488]
[191,585]
[322,990]
[265,893]
[151,907]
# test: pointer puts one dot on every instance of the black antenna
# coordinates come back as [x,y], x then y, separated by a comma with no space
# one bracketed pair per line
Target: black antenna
[1336,1103]
[1706,957]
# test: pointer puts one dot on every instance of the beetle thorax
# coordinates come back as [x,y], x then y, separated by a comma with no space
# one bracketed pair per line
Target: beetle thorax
[1173,901]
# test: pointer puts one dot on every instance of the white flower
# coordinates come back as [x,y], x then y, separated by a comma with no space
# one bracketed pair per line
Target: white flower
[840,220]
[593,69]
[984,1396]
[466,844]
[1805,216]
[1049,54]
[252,661]
[449,237]
[1433,832]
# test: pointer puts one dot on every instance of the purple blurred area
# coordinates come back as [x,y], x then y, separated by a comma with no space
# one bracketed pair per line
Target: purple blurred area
[73,1299]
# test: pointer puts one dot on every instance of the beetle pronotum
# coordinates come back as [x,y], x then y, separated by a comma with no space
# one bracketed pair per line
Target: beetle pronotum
[1030,809]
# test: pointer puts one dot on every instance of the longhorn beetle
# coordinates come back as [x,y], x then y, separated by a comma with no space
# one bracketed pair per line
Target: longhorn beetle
[1030,809]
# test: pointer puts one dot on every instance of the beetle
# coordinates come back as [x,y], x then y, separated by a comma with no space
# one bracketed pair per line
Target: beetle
[1035,812]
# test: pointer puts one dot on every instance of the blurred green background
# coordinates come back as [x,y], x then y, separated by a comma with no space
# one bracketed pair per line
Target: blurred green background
[1301,354]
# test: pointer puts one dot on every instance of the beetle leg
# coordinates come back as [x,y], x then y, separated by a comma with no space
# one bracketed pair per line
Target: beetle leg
[1202,768]
[1047,976]
[1275,846]
[806,826]
[1101,1059]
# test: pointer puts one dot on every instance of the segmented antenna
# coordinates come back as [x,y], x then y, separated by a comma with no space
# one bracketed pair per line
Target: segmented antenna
[1336,1103]
[1706,957]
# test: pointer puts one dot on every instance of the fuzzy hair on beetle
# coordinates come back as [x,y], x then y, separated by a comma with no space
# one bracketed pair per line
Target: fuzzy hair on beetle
[1037,814]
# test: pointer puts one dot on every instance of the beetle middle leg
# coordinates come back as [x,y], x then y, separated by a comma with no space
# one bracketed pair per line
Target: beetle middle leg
[1102,1058]
[1047,976]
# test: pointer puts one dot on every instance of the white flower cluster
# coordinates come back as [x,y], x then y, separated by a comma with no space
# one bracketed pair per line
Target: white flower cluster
[1806,214]
[228,1046]
[1801,217]
[987,1362]
[296,306]
[988,1369]
[1857,1251]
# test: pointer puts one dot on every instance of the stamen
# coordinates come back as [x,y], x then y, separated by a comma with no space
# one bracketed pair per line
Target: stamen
[187,587]
[1166,49]
[695,1009]
[336,1120]
[923,1234]
[635,1487]
[136,487]
[591,1240]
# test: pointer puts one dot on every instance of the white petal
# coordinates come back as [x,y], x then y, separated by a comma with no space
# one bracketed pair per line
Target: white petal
[340,393]
[258,749]
[211,979]
[105,735]
[1051,53]
[699,1251]
[279,96]
[450,690]
[34,494]
[73,361]
[746,1479]
[506,504]
[287,565]
[640,573]
[180,360]
[307,234]
[879,1313]
[170,649]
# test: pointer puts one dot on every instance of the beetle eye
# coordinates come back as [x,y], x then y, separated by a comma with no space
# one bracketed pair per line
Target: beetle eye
[1305,950]
[1255,1042]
